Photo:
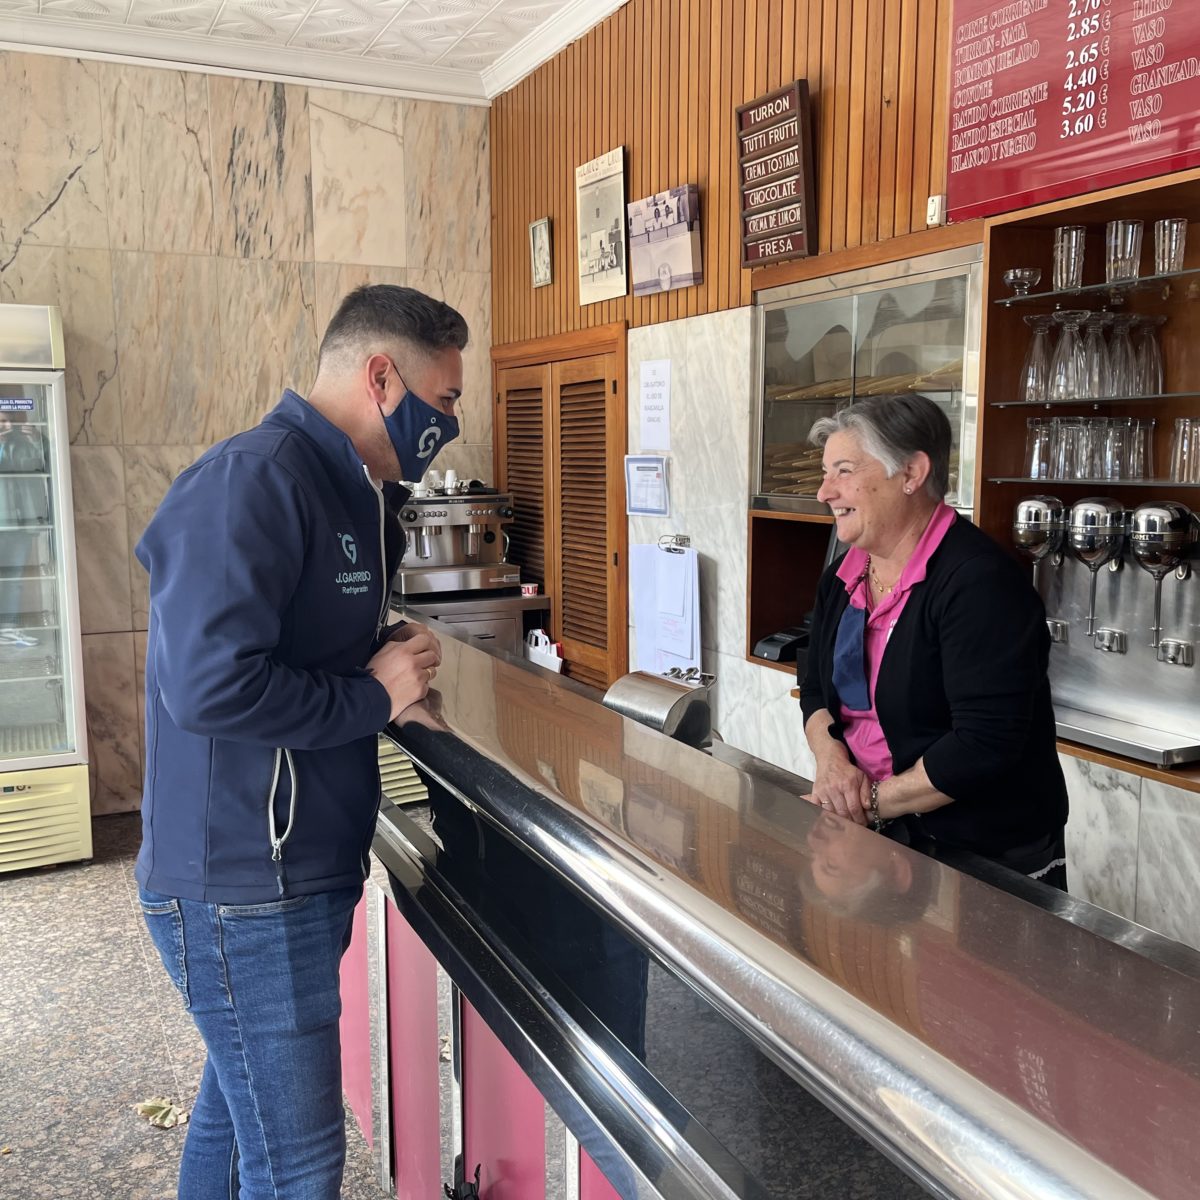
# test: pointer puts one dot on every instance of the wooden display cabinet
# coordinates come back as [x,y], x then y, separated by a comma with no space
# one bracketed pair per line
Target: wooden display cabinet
[787,556]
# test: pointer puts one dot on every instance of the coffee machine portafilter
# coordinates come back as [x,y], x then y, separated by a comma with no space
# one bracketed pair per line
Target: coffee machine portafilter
[1161,536]
[1096,536]
[1038,530]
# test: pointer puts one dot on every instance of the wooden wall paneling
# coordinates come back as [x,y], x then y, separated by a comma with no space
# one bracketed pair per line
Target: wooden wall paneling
[924,118]
[827,148]
[938,165]
[857,148]
[888,121]
[872,121]
[910,83]
[662,78]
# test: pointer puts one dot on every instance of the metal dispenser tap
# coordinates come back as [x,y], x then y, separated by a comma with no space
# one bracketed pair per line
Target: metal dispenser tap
[1162,534]
[1038,530]
[1096,535]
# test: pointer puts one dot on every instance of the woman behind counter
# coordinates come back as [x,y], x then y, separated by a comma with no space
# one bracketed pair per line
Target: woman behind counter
[926,700]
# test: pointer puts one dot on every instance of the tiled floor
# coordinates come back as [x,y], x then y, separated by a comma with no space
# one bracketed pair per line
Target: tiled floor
[90,1025]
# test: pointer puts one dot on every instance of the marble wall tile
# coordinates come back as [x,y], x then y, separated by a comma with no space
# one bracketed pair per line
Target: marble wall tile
[1168,899]
[358,178]
[736,703]
[781,737]
[52,152]
[268,340]
[168,342]
[79,281]
[1102,834]
[470,461]
[101,538]
[149,471]
[334,281]
[263,174]
[470,292]
[158,153]
[112,714]
[447,186]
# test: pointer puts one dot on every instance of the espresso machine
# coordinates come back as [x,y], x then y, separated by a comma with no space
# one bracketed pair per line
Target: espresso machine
[1122,659]
[456,541]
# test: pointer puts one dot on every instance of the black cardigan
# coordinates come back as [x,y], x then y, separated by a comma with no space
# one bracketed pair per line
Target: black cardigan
[963,684]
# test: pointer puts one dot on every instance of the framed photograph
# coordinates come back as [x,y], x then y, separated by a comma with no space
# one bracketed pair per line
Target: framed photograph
[539,251]
[664,241]
[600,212]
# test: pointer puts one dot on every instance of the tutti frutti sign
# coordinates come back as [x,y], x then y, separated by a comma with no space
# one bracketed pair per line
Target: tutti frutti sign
[775,168]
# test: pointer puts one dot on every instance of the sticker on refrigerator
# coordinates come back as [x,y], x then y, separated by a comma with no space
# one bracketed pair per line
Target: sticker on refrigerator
[16,404]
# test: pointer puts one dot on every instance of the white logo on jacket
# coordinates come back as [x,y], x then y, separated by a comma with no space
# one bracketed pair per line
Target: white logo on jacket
[353,583]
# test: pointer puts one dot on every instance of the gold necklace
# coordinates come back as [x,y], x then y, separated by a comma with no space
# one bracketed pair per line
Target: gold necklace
[884,588]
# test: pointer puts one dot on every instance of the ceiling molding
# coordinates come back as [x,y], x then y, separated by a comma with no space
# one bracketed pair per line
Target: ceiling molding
[545,42]
[215,56]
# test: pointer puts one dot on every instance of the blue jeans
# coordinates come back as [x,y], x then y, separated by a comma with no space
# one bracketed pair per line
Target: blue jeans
[261,983]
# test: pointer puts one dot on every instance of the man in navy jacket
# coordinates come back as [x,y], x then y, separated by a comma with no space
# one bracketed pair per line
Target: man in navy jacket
[268,679]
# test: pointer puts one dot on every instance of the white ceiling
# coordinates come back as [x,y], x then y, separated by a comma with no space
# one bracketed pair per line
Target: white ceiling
[461,50]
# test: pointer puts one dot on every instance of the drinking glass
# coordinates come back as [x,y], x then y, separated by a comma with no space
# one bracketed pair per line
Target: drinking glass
[1067,367]
[1139,448]
[1123,243]
[1149,356]
[1170,238]
[1097,371]
[1122,359]
[1068,256]
[1181,450]
[1090,463]
[1039,447]
[1067,445]
[1035,372]
[1115,453]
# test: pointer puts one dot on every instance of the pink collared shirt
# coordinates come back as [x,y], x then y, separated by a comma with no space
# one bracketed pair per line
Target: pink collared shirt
[863,733]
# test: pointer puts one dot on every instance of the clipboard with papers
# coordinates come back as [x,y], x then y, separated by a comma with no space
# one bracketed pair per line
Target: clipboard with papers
[664,588]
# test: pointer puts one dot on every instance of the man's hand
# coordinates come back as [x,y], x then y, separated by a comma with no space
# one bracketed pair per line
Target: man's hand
[406,665]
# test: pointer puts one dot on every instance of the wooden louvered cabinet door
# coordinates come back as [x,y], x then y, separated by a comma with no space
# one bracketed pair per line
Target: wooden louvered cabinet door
[587,518]
[522,435]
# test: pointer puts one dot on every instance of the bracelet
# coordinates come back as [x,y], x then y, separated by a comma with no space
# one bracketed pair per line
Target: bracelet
[873,809]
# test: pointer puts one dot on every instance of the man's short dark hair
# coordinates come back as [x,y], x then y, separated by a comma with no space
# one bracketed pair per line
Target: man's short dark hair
[383,312]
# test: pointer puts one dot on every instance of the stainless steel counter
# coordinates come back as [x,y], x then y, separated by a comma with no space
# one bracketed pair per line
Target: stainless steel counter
[990,1047]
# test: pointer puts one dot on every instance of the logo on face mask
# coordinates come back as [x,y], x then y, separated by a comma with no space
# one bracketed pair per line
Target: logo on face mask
[349,549]
[427,443]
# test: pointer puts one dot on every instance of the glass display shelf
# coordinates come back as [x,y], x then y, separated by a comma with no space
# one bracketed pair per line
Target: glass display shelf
[33,679]
[826,398]
[24,475]
[1095,401]
[26,528]
[1094,483]
[1115,292]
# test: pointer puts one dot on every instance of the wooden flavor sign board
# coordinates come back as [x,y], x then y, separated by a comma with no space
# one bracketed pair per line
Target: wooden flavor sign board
[1054,98]
[776,176]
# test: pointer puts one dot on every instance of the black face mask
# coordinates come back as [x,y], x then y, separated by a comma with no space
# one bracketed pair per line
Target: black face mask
[849,657]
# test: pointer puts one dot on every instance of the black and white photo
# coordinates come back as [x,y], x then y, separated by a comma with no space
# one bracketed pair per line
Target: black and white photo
[539,251]
[600,209]
[664,241]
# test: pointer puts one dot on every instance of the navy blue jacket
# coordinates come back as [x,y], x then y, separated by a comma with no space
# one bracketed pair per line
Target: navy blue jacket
[268,588]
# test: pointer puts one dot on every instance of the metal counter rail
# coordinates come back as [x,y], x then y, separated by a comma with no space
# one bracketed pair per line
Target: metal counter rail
[957,1121]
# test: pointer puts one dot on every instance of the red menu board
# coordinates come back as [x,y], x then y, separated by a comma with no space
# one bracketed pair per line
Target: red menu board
[1051,98]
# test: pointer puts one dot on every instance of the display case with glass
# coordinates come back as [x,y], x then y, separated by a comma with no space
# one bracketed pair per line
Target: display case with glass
[892,330]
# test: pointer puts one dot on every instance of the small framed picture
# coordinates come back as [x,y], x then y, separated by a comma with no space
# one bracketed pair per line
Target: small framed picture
[539,251]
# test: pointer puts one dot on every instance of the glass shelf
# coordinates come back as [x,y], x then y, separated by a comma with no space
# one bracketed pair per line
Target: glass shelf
[1094,401]
[34,679]
[24,474]
[1101,291]
[1095,483]
[26,528]
[850,396]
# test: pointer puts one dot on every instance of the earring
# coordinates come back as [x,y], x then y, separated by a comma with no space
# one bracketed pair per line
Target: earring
[907,490]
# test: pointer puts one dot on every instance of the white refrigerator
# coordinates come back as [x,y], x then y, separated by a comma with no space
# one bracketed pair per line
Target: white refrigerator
[44,803]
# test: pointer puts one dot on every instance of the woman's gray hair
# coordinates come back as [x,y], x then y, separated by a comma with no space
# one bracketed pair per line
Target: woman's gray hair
[892,429]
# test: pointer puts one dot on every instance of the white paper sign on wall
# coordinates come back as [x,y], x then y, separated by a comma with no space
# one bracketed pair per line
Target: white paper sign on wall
[656,404]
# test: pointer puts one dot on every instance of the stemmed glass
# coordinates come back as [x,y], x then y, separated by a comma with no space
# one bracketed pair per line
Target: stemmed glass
[1121,357]
[1149,357]
[1067,366]
[1097,371]
[1035,372]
